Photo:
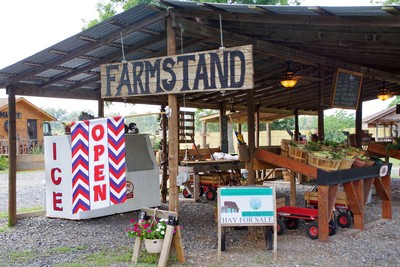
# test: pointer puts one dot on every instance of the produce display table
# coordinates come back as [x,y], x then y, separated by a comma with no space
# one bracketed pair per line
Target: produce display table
[357,183]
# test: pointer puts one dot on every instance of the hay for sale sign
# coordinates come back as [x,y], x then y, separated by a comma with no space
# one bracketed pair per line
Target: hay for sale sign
[214,70]
[246,206]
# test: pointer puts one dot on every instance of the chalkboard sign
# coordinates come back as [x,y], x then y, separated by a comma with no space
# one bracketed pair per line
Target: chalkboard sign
[346,89]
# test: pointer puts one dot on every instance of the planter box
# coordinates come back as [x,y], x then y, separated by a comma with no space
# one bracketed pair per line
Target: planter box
[30,162]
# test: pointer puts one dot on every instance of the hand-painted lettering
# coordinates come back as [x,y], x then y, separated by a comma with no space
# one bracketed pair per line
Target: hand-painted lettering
[98,173]
[100,192]
[57,201]
[54,179]
[229,68]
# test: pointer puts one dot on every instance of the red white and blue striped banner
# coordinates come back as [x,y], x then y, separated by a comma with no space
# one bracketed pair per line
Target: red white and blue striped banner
[80,166]
[101,143]
[116,154]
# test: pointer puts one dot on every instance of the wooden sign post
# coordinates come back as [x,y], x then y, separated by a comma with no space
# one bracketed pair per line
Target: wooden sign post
[246,206]
[172,225]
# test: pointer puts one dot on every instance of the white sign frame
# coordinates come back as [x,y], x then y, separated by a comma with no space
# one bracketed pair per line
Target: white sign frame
[246,206]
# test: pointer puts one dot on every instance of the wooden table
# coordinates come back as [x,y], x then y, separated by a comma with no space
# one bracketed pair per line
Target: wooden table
[194,167]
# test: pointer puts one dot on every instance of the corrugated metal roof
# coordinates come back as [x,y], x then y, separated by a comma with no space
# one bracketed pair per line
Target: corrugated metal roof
[366,38]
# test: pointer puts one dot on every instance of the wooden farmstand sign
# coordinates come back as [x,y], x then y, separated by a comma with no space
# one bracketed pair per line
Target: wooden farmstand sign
[246,206]
[215,70]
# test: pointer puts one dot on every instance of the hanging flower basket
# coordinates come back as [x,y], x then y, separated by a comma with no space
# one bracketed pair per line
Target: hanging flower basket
[153,245]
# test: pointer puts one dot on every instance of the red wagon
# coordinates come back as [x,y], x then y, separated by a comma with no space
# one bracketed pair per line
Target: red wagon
[289,217]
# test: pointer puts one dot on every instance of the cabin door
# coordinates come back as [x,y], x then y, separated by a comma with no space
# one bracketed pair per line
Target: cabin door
[32,129]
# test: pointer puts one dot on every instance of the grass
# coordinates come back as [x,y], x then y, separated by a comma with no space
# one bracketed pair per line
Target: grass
[22,256]
[104,257]
[107,257]
[68,249]
[24,210]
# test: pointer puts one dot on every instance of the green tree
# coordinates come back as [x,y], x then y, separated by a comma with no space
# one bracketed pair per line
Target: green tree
[107,9]
[336,123]
[395,101]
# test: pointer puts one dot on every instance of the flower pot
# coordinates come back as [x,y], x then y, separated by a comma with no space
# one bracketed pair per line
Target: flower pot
[153,245]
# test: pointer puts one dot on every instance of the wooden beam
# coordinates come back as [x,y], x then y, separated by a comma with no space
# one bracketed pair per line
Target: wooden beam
[283,162]
[32,90]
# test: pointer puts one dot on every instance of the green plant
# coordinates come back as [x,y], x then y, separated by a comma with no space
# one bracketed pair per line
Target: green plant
[3,163]
[153,229]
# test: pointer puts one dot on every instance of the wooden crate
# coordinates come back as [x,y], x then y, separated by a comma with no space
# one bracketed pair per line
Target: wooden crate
[311,198]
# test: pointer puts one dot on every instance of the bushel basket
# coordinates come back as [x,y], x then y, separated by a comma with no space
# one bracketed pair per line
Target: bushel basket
[323,163]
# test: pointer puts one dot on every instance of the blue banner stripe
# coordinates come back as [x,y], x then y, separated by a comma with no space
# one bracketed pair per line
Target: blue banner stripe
[246,191]
[257,213]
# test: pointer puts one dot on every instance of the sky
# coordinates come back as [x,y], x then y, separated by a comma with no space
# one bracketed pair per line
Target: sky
[46,22]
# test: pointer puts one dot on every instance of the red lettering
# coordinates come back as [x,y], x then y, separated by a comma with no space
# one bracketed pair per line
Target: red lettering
[57,201]
[98,151]
[54,179]
[54,151]
[99,192]
[97,132]
[98,172]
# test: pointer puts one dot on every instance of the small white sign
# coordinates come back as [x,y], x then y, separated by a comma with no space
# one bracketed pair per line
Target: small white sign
[247,206]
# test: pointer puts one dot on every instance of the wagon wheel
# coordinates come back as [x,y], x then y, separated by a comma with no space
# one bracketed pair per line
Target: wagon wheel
[344,219]
[292,223]
[312,230]
[186,193]
[332,228]
[280,227]
[211,194]
[269,237]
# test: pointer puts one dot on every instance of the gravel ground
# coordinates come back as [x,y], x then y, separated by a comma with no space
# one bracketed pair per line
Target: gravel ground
[40,241]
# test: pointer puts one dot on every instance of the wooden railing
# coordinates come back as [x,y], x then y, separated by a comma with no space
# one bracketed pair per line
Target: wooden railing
[24,146]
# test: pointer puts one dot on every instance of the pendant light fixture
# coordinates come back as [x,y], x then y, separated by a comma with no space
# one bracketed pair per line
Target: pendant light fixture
[289,80]
[383,92]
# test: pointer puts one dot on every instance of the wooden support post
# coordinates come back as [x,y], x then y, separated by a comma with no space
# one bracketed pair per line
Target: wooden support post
[332,193]
[387,203]
[203,134]
[257,126]
[164,189]
[12,159]
[359,124]
[173,126]
[323,213]
[292,201]
[321,129]
[251,135]
[100,107]
[296,125]
[359,216]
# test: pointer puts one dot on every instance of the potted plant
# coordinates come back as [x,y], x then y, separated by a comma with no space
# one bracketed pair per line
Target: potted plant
[152,232]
